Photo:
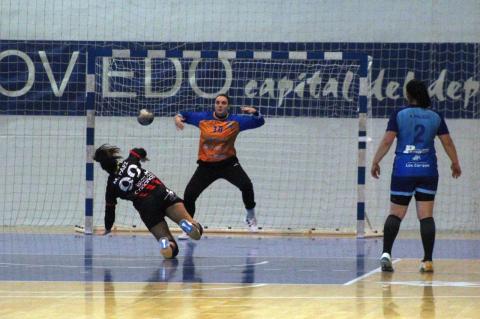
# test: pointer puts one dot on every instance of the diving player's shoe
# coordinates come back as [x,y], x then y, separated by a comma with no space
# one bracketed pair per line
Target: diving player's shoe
[386,262]
[194,231]
[426,266]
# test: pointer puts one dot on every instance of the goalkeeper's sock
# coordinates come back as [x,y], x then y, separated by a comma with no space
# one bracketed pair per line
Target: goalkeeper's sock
[250,213]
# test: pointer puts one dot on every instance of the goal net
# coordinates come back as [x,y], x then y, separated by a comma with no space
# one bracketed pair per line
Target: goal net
[303,162]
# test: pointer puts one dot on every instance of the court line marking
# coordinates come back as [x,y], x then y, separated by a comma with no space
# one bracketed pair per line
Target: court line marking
[433,283]
[129,267]
[114,291]
[244,297]
[367,274]
[159,258]
[101,282]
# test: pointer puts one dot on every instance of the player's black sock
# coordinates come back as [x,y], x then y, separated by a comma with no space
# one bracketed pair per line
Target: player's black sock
[427,230]
[390,231]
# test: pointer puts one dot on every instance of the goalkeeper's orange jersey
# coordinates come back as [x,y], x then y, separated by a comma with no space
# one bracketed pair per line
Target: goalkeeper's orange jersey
[217,136]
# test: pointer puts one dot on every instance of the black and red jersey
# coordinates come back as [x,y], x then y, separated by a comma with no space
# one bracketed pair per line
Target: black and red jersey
[131,182]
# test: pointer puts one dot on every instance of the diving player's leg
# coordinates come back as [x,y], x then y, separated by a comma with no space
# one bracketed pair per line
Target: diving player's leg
[179,215]
[168,245]
[153,217]
[425,197]
[401,191]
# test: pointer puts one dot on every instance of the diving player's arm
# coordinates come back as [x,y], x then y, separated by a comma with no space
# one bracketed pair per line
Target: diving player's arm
[451,151]
[382,150]
[110,203]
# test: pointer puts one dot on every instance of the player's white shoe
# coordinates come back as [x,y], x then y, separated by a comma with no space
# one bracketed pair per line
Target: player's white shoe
[252,224]
[183,236]
[386,262]
[194,231]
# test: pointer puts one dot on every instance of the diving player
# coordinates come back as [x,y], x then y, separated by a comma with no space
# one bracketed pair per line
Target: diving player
[151,198]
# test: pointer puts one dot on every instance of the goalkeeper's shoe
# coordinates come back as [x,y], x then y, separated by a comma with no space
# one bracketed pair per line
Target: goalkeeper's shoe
[386,262]
[252,224]
[426,266]
[193,230]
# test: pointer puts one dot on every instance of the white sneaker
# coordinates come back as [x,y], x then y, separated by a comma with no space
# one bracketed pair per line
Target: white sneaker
[252,224]
[183,236]
[386,262]
[194,231]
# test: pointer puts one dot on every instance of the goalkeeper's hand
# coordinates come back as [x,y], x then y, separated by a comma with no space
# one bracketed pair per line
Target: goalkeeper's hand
[179,122]
[249,110]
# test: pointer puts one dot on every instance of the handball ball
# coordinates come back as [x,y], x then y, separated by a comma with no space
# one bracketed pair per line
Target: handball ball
[145,117]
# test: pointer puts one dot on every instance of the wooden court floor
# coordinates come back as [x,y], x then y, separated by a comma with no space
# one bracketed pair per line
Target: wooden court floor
[268,281]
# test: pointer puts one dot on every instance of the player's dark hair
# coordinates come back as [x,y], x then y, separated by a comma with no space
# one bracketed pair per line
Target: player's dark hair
[417,90]
[107,156]
[225,96]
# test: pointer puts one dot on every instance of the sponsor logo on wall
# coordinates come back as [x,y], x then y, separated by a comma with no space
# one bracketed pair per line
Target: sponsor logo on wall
[31,76]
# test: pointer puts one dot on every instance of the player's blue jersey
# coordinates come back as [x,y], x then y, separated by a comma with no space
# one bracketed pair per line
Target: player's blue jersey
[416,129]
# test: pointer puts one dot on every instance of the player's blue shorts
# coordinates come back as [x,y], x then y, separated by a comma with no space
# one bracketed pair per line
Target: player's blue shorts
[402,188]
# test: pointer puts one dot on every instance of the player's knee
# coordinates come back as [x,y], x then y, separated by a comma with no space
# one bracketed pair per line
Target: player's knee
[400,199]
[172,252]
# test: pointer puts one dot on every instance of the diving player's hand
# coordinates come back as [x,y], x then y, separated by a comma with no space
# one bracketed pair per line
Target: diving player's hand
[456,170]
[249,110]
[375,171]
[179,122]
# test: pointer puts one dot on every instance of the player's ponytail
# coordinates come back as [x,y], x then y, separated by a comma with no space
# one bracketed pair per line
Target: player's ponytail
[418,91]
[107,156]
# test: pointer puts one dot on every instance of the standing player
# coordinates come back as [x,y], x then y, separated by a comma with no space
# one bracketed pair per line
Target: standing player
[128,180]
[414,169]
[217,155]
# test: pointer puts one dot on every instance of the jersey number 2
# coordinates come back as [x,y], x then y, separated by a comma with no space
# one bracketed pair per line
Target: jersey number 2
[419,131]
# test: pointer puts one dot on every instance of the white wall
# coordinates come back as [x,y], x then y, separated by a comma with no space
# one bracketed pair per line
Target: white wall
[247,20]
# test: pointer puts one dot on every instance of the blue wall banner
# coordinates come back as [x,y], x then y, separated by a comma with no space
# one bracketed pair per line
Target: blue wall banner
[48,78]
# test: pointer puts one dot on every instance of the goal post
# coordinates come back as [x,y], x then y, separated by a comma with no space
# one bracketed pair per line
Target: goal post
[307,164]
